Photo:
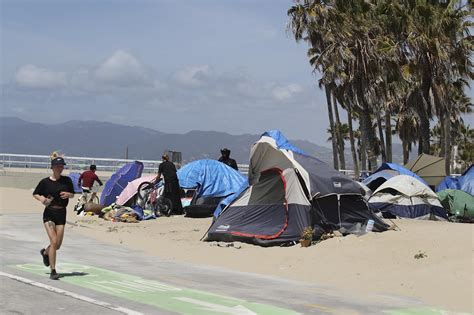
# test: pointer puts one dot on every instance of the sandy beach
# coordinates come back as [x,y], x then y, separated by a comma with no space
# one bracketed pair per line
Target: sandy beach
[374,263]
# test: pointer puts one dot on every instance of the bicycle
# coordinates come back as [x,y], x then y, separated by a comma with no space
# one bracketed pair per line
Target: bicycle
[87,196]
[150,197]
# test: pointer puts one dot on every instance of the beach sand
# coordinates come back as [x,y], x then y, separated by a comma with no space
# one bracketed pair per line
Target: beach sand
[374,263]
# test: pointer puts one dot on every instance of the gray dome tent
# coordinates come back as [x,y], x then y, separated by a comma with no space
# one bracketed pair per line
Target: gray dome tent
[290,191]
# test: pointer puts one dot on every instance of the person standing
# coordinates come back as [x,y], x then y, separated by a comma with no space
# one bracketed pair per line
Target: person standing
[54,192]
[172,191]
[225,158]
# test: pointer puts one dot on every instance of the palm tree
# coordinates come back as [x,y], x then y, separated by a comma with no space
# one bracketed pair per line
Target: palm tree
[301,25]
[339,134]
[407,128]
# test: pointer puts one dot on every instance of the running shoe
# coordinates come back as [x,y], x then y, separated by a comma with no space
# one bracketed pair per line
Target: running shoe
[54,275]
[45,257]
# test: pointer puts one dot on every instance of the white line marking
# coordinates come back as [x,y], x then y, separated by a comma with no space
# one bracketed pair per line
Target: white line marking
[71,294]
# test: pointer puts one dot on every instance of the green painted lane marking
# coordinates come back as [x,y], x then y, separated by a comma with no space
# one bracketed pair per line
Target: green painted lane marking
[161,295]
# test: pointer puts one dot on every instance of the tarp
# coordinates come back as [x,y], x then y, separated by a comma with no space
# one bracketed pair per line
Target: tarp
[119,180]
[405,196]
[466,181]
[74,176]
[400,170]
[449,182]
[375,180]
[457,202]
[430,168]
[210,178]
[281,141]
[131,189]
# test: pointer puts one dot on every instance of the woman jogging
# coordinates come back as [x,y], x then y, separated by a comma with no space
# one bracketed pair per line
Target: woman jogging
[54,193]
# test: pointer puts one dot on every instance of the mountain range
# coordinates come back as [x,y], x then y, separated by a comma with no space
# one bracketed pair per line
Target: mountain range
[108,140]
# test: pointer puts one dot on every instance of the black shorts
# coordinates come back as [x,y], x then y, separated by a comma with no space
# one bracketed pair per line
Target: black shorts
[56,215]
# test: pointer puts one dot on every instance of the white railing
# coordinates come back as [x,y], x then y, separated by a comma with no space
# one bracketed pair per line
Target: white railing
[72,162]
[8,160]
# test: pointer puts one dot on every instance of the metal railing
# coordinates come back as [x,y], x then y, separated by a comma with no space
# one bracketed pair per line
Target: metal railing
[73,162]
[8,160]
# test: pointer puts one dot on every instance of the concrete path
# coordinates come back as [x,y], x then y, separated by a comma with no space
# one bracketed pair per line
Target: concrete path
[102,279]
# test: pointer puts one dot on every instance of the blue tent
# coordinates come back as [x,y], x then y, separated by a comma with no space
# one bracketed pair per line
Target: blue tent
[377,179]
[210,178]
[466,181]
[449,182]
[119,180]
[388,170]
[74,176]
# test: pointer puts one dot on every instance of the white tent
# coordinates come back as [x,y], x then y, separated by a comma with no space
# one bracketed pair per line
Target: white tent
[405,196]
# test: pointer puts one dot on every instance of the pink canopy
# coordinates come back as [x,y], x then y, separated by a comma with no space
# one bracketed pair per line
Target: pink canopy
[131,189]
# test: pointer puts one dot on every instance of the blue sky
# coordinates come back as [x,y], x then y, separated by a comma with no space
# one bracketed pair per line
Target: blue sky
[174,66]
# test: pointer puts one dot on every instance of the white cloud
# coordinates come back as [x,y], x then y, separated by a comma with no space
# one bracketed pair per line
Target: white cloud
[122,69]
[193,76]
[283,93]
[36,77]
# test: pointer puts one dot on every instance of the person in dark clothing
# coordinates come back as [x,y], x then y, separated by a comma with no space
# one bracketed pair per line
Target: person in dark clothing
[54,193]
[225,158]
[172,191]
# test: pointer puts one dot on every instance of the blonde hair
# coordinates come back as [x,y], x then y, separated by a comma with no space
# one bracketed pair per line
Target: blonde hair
[54,155]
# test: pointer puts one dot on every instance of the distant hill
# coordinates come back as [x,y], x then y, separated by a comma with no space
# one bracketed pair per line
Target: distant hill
[108,140]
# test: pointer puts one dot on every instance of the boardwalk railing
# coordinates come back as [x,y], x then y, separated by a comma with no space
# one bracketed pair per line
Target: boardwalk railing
[72,162]
[8,160]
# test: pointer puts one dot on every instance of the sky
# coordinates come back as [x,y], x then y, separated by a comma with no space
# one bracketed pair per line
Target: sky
[174,66]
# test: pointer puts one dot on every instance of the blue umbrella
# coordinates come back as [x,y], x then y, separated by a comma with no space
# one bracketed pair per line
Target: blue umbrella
[119,180]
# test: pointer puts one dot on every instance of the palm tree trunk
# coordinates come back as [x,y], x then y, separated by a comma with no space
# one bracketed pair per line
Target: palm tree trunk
[368,138]
[442,130]
[351,139]
[406,152]
[420,144]
[340,138]
[367,132]
[424,145]
[447,143]
[331,127]
[388,135]
[382,142]
[363,155]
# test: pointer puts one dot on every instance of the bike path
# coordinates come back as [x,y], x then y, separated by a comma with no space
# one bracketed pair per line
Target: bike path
[134,280]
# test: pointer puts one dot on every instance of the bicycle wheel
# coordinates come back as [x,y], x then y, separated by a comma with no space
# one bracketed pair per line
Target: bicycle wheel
[143,191]
[95,199]
[166,207]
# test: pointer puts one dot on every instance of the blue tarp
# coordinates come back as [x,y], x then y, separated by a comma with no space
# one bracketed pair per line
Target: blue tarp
[75,178]
[449,182]
[119,180]
[210,178]
[398,168]
[282,142]
[386,174]
[227,200]
[465,182]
